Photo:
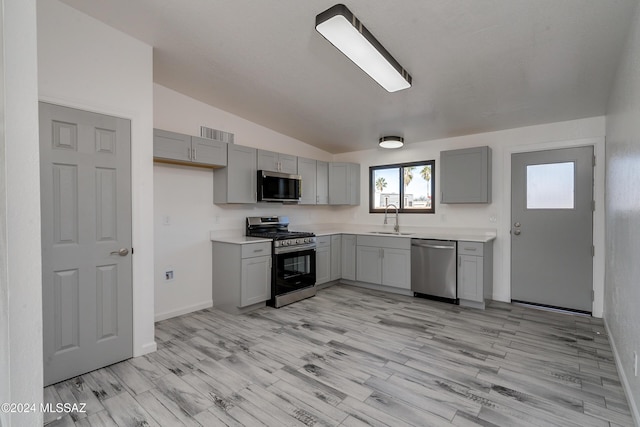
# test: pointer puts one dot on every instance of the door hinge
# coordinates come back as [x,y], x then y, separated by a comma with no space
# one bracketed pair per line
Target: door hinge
[593,296]
[594,160]
[593,250]
[131,251]
[593,205]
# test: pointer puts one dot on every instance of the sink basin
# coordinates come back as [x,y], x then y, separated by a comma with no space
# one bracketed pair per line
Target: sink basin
[395,233]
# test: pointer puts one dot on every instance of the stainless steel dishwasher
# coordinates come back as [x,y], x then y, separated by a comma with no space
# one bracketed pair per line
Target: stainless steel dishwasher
[433,268]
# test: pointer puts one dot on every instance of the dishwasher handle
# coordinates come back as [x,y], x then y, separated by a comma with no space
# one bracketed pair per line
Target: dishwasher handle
[424,245]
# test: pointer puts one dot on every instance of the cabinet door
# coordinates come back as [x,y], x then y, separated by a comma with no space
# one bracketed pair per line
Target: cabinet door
[323,264]
[267,160]
[470,278]
[353,184]
[208,151]
[288,163]
[344,183]
[256,280]
[336,256]
[241,174]
[171,145]
[348,267]
[465,175]
[396,268]
[338,183]
[368,264]
[307,170]
[322,183]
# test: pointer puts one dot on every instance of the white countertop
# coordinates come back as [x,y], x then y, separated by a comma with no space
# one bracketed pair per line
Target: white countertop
[237,240]
[440,233]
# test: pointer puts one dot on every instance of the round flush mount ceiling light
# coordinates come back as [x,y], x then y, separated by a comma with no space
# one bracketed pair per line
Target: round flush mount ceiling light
[391,142]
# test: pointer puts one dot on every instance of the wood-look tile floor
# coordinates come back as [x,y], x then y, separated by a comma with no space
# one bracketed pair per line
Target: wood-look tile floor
[355,357]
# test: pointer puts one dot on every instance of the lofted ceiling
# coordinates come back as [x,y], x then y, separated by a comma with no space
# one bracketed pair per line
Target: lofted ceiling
[477,65]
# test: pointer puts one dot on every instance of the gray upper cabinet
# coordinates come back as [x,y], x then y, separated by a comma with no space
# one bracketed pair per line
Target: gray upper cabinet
[344,183]
[277,162]
[322,183]
[172,147]
[465,175]
[237,182]
[307,170]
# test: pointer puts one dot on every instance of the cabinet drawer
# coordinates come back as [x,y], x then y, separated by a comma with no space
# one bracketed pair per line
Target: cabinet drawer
[323,241]
[384,242]
[470,248]
[256,249]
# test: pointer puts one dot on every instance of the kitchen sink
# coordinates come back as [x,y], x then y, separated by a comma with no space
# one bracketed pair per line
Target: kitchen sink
[395,233]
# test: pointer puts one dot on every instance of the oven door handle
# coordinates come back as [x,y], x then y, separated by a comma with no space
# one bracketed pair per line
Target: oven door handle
[298,248]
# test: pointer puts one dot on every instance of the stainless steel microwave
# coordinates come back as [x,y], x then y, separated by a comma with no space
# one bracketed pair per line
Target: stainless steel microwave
[278,187]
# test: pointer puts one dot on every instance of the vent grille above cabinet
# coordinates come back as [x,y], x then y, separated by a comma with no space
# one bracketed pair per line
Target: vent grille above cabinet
[216,134]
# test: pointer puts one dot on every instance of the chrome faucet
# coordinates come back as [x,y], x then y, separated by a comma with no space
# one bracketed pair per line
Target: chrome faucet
[396,227]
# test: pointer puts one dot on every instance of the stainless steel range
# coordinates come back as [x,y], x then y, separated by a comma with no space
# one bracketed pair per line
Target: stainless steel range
[293,274]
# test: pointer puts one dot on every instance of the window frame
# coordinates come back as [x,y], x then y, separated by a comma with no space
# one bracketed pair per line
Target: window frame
[401,166]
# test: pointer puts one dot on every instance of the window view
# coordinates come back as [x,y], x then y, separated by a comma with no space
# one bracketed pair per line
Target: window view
[550,186]
[408,186]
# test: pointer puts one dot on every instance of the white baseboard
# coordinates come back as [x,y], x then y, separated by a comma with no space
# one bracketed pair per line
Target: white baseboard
[149,347]
[623,377]
[183,310]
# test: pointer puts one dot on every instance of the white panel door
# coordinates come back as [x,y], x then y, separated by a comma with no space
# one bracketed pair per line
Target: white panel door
[86,241]
[552,228]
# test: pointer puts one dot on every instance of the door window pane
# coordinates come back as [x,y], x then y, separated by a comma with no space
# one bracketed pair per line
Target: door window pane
[550,186]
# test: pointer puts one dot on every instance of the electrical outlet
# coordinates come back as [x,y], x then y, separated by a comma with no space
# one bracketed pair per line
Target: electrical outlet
[168,275]
[635,364]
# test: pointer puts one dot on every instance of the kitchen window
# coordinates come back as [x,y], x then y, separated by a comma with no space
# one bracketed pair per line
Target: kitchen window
[409,186]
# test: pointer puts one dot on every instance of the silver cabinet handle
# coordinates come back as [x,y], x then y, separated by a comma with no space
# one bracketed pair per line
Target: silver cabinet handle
[471,249]
[121,252]
[194,153]
[432,246]
[189,153]
[258,250]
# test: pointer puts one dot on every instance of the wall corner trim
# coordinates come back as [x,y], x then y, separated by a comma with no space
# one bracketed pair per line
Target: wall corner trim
[623,377]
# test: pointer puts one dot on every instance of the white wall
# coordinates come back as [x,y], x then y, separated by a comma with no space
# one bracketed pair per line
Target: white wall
[20,270]
[184,195]
[622,296]
[86,64]
[503,143]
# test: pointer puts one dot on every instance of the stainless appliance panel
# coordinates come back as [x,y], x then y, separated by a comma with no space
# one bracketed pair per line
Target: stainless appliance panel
[433,268]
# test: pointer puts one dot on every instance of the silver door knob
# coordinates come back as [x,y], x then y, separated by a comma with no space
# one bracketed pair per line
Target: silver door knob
[121,252]
[517,224]
[516,232]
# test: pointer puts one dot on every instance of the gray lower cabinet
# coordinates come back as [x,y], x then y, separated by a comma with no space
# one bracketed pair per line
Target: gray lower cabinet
[172,147]
[384,261]
[465,175]
[322,183]
[241,275]
[475,273]
[307,170]
[336,257]
[277,162]
[323,260]
[348,255]
[344,183]
[237,182]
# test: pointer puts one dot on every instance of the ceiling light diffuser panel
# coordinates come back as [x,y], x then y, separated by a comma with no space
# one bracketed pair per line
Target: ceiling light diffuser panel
[343,30]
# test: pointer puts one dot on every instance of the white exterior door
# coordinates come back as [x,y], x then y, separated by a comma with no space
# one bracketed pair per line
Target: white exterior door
[552,228]
[86,241]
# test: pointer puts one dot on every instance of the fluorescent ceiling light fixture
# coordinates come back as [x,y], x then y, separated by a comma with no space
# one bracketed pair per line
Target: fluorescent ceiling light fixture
[338,25]
[391,142]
